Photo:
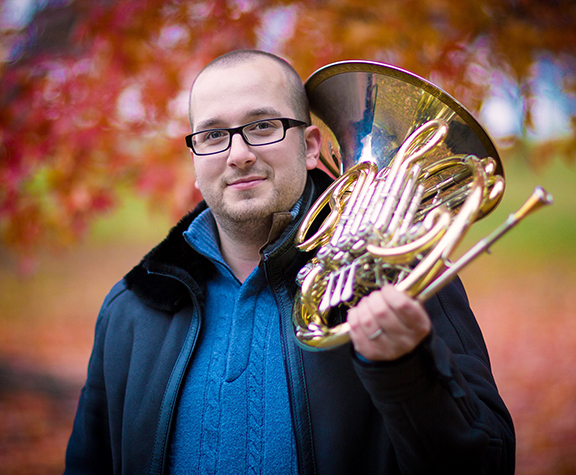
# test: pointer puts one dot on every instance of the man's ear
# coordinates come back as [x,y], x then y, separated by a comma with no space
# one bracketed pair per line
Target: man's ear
[313,139]
[195,181]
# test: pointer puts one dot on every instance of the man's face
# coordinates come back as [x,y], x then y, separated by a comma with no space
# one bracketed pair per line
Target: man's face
[247,183]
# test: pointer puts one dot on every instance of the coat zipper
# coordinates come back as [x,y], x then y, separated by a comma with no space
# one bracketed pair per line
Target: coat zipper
[166,415]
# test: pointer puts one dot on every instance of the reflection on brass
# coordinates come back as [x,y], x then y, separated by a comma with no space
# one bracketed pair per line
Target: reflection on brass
[416,171]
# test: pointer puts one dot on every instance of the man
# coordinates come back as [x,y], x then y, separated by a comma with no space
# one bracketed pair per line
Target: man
[195,368]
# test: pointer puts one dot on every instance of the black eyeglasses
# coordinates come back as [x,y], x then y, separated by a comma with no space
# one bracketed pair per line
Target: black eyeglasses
[259,132]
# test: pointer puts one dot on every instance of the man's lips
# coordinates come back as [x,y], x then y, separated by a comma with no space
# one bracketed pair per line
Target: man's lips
[246,182]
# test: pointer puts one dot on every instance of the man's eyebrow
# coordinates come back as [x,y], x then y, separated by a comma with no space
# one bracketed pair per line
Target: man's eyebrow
[269,112]
[208,124]
[254,114]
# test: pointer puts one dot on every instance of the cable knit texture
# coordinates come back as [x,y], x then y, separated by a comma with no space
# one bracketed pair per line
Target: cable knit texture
[233,416]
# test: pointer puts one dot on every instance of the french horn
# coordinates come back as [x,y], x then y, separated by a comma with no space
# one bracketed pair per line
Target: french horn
[415,171]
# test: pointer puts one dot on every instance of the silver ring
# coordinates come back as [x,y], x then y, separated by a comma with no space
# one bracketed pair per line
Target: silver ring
[376,334]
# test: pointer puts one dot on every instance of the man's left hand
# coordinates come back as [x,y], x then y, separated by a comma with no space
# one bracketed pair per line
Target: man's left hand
[387,324]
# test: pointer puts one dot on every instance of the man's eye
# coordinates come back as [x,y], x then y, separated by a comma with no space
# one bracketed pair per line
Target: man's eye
[213,136]
[263,127]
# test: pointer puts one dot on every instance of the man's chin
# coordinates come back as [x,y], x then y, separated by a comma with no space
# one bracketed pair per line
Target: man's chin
[245,212]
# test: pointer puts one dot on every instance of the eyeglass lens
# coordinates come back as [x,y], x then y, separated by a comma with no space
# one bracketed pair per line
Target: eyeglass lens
[261,132]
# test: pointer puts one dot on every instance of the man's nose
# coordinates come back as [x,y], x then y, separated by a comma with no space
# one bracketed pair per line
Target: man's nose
[240,153]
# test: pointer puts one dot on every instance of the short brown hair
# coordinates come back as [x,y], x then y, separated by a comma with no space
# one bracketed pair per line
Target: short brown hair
[298,99]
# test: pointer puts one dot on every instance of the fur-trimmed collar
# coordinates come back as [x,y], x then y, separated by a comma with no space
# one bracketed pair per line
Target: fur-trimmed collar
[155,279]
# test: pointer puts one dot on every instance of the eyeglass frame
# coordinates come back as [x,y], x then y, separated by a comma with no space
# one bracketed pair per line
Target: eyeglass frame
[286,124]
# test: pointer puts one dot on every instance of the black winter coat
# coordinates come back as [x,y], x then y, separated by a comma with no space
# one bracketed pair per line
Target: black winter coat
[436,410]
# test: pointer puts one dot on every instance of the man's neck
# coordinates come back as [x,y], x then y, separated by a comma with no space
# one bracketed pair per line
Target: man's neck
[240,247]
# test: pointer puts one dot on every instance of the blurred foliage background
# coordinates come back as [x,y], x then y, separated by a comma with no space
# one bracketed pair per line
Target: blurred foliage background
[93,172]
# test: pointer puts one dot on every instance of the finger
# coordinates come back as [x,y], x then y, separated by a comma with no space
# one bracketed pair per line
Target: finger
[364,340]
[372,314]
[408,312]
[384,316]
[363,331]
[360,320]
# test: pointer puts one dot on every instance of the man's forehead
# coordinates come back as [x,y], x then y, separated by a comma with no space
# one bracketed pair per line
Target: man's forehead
[251,68]
[256,62]
[256,87]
